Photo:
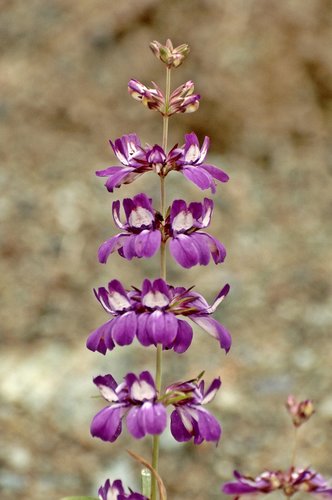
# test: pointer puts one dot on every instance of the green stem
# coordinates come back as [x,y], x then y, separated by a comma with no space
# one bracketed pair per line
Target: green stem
[293,458]
[155,448]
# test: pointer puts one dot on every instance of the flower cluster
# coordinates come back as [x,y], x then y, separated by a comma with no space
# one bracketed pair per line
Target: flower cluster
[136,400]
[182,100]
[151,315]
[157,313]
[290,482]
[144,231]
[137,160]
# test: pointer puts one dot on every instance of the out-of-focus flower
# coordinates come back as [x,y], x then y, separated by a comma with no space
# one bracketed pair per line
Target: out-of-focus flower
[189,246]
[300,411]
[192,165]
[135,398]
[116,491]
[169,55]
[190,419]
[151,315]
[290,482]
[141,236]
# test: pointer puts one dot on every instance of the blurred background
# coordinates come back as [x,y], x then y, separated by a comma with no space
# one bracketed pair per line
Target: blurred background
[264,70]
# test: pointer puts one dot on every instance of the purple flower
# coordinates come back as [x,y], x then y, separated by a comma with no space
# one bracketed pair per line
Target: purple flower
[135,398]
[290,482]
[115,491]
[151,314]
[137,160]
[142,236]
[189,246]
[153,98]
[192,164]
[142,232]
[190,419]
[182,100]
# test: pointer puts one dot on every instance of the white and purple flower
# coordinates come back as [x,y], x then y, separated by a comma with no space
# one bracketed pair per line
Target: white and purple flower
[140,236]
[151,314]
[192,165]
[190,419]
[136,160]
[290,482]
[116,491]
[144,230]
[135,399]
[189,246]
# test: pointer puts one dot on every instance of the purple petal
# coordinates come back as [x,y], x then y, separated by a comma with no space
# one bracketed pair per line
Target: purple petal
[124,328]
[209,427]
[183,337]
[237,489]
[212,390]
[208,244]
[150,418]
[107,386]
[199,176]
[147,243]
[219,298]
[107,423]
[162,328]
[118,297]
[214,328]
[184,250]
[178,430]
[218,174]
[142,331]
[101,338]
[109,246]
[192,151]
[116,215]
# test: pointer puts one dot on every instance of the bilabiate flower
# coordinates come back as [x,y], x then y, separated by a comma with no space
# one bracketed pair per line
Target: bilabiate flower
[192,165]
[141,236]
[151,314]
[116,491]
[188,245]
[190,419]
[136,400]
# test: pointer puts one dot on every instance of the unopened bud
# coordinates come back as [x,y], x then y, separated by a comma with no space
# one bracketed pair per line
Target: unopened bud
[153,98]
[300,412]
[183,99]
[169,55]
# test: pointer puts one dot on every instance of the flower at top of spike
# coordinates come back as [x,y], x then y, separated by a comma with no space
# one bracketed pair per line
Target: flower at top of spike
[136,399]
[151,314]
[290,482]
[116,491]
[300,411]
[169,55]
[190,419]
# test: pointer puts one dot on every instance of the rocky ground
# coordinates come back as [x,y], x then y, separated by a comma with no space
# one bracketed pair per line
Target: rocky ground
[264,70]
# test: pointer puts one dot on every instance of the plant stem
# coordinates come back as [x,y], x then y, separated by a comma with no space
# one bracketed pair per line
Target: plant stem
[293,458]
[155,449]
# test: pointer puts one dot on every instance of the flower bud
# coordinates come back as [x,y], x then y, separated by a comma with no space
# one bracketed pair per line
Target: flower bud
[183,99]
[169,55]
[152,98]
[300,412]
